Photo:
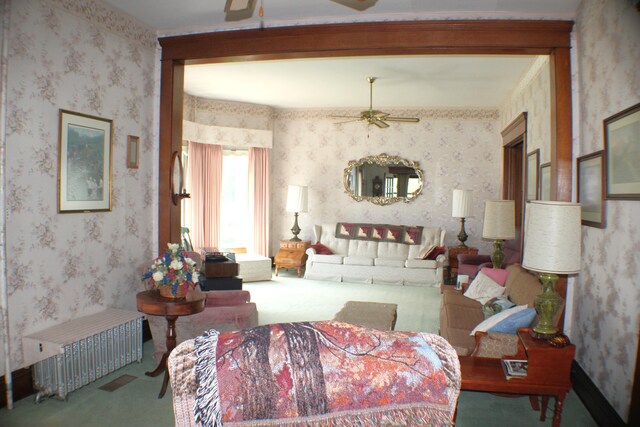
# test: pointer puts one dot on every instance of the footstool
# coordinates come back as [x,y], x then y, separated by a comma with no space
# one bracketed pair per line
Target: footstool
[253,268]
[369,314]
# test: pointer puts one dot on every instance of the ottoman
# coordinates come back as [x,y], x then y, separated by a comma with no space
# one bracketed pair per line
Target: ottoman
[369,314]
[253,268]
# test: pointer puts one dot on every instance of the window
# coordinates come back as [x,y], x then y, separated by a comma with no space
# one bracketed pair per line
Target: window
[234,222]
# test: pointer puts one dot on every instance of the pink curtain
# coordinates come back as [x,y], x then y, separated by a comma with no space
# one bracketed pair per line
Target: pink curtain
[259,198]
[204,180]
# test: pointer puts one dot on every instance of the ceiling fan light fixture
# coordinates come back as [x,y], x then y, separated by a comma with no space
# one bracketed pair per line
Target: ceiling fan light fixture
[239,5]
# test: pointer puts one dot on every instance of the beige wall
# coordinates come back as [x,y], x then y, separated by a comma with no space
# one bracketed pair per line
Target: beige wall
[607,290]
[82,57]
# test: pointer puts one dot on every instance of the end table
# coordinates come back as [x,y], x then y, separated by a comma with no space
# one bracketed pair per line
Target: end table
[292,255]
[453,260]
[150,302]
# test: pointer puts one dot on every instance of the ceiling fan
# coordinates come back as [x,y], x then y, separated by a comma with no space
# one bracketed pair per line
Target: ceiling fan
[237,10]
[376,117]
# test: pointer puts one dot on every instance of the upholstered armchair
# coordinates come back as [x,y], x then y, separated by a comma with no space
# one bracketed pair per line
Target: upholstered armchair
[470,265]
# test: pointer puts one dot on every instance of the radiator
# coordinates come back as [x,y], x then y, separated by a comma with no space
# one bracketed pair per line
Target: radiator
[68,356]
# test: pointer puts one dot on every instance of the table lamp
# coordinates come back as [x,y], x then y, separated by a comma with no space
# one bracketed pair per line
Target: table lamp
[297,201]
[499,225]
[461,208]
[551,246]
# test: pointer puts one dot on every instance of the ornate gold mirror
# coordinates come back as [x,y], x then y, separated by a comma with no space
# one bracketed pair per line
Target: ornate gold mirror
[383,179]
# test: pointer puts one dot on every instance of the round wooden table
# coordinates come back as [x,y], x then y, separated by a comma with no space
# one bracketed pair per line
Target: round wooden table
[150,302]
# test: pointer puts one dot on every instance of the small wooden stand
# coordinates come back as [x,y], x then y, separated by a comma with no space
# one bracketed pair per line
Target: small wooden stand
[292,255]
[548,373]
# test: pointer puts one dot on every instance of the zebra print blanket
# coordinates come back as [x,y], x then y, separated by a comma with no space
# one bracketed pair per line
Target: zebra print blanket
[324,374]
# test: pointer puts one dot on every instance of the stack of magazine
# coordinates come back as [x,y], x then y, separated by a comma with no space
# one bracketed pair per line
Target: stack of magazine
[514,368]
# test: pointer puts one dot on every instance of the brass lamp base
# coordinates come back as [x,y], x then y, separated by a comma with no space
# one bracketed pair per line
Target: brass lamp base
[547,305]
[295,230]
[462,236]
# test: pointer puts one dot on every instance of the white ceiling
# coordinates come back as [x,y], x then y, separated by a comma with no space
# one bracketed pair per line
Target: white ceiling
[418,81]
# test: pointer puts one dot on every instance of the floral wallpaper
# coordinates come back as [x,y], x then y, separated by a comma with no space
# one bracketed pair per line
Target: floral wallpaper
[454,148]
[79,56]
[607,290]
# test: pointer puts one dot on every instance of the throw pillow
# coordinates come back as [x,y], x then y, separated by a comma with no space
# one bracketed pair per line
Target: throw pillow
[438,250]
[492,321]
[482,289]
[520,319]
[321,249]
[497,274]
[425,251]
[496,305]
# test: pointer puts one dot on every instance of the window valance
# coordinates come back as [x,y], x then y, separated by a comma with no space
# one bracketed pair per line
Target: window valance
[220,135]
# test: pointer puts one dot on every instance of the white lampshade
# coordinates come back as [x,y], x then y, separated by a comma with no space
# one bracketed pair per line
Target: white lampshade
[297,198]
[461,204]
[552,237]
[499,220]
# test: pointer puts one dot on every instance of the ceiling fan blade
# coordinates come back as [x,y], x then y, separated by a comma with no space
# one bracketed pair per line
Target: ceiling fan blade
[402,119]
[379,123]
[348,121]
[358,5]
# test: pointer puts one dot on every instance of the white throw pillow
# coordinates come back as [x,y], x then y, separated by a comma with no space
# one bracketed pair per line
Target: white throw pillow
[483,288]
[492,321]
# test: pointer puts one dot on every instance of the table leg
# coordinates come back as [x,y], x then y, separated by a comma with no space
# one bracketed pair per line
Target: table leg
[162,366]
[557,412]
[545,403]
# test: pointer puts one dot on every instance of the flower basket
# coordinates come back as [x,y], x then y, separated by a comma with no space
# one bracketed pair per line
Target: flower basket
[173,273]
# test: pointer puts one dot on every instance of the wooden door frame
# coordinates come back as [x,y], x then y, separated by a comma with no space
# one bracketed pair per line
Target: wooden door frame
[490,37]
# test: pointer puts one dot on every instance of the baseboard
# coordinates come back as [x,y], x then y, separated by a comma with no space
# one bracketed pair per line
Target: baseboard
[23,381]
[598,406]
[22,386]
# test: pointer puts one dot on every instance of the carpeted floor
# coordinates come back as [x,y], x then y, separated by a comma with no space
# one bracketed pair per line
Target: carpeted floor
[283,299]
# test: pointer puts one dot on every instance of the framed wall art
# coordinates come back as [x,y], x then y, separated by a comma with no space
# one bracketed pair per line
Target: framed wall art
[591,189]
[533,163]
[133,151]
[622,153]
[545,181]
[84,175]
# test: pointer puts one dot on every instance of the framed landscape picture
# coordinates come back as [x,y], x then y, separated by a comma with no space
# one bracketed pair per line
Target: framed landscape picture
[545,181]
[622,148]
[84,175]
[591,189]
[533,162]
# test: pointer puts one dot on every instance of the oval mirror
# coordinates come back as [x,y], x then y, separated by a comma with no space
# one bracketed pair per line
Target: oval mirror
[383,179]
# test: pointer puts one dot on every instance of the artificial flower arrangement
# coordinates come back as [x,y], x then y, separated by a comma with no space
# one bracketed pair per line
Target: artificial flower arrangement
[174,269]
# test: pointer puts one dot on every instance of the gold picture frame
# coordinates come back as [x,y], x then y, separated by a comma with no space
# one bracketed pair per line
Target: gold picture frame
[84,163]
[622,153]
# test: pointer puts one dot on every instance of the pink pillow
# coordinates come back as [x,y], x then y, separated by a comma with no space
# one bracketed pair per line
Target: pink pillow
[498,275]
[321,249]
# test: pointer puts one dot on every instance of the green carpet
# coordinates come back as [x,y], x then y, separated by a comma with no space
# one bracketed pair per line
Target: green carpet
[283,299]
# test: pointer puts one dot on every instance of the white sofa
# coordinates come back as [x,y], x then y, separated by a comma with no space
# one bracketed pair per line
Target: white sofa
[365,261]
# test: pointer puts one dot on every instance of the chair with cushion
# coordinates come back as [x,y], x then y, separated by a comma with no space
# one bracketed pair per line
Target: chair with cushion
[470,265]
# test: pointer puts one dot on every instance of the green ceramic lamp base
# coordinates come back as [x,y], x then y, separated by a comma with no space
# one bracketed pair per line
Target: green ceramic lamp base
[547,305]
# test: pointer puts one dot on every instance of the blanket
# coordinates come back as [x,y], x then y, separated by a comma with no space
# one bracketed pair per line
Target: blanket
[410,235]
[324,374]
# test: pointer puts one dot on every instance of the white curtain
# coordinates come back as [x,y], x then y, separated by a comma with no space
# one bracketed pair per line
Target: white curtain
[259,198]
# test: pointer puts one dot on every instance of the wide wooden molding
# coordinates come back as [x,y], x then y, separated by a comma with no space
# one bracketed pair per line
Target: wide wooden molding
[483,37]
[371,38]
[515,130]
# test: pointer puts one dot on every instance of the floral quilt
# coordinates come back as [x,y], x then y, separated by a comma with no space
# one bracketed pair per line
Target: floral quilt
[324,374]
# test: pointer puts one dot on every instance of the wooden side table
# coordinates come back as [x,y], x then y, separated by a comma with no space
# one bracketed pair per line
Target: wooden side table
[150,302]
[548,373]
[292,255]
[453,260]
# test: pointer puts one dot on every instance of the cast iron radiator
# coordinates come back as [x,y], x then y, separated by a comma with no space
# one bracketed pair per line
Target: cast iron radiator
[68,356]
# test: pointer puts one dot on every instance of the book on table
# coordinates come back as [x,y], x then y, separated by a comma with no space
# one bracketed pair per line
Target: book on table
[514,368]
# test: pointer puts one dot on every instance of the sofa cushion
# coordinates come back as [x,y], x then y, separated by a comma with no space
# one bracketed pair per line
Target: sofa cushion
[420,263]
[522,287]
[393,250]
[388,262]
[492,321]
[482,289]
[519,319]
[328,259]
[357,260]
[363,248]
[456,298]
[430,236]
[460,317]
[326,235]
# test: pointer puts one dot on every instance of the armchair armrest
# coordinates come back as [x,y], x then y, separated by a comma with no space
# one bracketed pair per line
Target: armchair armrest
[473,259]
[495,345]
